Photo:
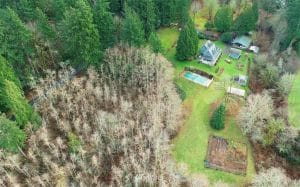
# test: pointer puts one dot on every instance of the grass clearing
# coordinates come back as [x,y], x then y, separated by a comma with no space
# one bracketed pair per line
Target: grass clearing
[190,145]
[294,103]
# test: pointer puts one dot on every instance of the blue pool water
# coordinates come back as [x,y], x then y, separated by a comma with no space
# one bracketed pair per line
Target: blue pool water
[196,78]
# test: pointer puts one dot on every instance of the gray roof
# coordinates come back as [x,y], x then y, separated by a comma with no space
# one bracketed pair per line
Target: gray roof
[242,40]
[235,53]
[210,51]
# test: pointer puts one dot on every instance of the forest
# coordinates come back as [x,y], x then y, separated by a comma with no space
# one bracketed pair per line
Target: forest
[150,93]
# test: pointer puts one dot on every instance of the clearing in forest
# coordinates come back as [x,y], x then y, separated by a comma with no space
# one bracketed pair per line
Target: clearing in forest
[191,143]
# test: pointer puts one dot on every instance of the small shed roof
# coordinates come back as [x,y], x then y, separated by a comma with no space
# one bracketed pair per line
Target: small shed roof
[242,40]
[236,91]
[255,49]
[235,53]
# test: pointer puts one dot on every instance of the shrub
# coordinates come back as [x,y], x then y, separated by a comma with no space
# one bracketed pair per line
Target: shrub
[73,142]
[226,37]
[271,177]
[218,118]
[11,137]
[209,25]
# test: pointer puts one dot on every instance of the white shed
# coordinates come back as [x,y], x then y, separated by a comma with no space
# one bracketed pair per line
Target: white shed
[236,91]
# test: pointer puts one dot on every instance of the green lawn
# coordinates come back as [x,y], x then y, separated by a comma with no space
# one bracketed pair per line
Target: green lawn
[294,103]
[191,143]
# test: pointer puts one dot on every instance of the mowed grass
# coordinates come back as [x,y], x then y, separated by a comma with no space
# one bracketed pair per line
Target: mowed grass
[191,143]
[294,103]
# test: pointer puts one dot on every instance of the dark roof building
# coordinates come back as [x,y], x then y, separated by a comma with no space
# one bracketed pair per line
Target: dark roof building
[242,42]
[209,53]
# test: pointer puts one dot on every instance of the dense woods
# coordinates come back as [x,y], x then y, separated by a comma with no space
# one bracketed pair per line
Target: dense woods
[87,97]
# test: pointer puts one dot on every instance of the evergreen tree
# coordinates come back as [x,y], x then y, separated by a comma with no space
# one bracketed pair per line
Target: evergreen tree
[165,12]
[13,99]
[80,37]
[105,24]
[155,43]
[25,10]
[223,19]
[59,7]
[146,11]
[11,137]
[116,6]
[16,44]
[182,11]
[7,73]
[132,31]
[245,22]
[293,20]
[43,25]
[187,45]
[255,10]
[218,118]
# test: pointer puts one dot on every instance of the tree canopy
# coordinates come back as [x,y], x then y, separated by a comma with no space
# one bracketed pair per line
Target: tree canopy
[187,44]
[132,31]
[105,24]
[80,37]
[223,19]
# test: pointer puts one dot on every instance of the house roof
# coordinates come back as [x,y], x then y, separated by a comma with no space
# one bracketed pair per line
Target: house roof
[209,49]
[242,40]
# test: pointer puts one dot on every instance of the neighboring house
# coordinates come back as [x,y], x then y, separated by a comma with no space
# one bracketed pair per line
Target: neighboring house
[241,80]
[209,53]
[242,42]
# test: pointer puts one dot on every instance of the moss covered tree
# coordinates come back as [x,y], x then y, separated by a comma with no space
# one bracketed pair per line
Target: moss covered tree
[217,120]
[187,44]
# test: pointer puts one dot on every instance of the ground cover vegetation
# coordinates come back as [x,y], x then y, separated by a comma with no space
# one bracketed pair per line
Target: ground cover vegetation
[92,93]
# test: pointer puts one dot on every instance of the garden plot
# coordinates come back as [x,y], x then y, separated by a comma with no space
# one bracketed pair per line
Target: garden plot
[226,155]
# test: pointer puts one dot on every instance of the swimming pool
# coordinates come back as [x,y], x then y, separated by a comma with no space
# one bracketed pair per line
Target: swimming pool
[197,78]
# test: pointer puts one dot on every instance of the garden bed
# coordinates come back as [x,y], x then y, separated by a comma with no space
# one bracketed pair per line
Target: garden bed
[225,155]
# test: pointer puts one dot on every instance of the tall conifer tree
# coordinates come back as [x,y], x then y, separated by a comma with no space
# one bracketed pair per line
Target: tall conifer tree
[105,24]
[80,37]
[16,44]
[132,31]
[187,45]
[146,11]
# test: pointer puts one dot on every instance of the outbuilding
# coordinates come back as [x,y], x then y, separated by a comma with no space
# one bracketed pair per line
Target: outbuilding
[242,42]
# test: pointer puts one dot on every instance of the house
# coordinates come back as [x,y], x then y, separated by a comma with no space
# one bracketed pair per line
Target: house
[242,42]
[235,53]
[236,91]
[241,80]
[209,53]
